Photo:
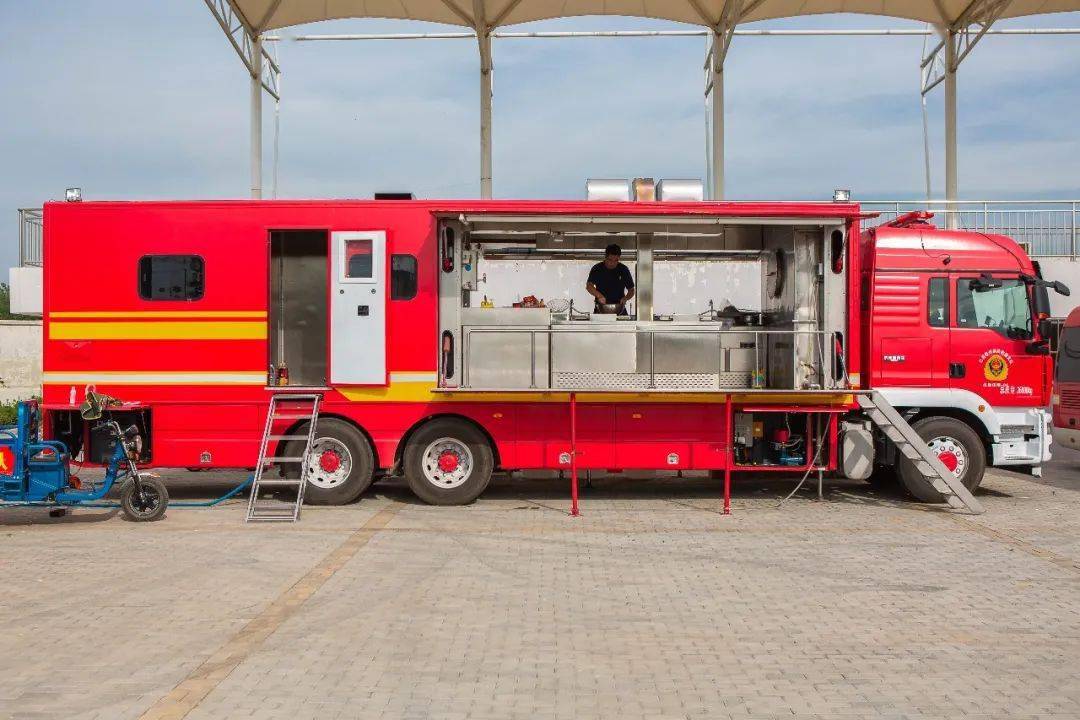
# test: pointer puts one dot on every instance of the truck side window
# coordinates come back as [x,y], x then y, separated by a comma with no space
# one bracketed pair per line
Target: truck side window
[937,302]
[402,277]
[1004,308]
[358,259]
[171,277]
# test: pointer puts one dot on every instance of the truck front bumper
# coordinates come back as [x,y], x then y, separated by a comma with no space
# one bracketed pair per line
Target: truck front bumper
[1024,439]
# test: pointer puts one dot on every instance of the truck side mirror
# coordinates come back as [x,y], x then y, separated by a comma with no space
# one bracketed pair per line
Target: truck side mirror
[1061,288]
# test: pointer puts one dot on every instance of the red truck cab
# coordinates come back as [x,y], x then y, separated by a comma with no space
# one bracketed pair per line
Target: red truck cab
[1066,397]
[954,341]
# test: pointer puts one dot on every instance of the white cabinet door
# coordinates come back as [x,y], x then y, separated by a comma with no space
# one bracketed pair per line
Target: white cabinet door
[358,309]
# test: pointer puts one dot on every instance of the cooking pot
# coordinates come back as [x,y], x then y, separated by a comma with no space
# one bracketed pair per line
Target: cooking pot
[607,308]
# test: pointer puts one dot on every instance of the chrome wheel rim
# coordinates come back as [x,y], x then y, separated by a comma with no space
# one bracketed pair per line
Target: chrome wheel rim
[329,463]
[447,463]
[951,454]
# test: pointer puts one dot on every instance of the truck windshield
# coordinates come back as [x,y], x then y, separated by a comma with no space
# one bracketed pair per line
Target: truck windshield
[1003,309]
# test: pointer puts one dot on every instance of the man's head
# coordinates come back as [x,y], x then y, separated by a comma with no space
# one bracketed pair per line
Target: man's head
[612,253]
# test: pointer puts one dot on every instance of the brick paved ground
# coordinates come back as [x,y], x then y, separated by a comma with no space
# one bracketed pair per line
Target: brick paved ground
[651,605]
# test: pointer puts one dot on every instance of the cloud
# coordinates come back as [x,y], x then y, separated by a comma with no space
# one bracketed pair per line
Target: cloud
[147,100]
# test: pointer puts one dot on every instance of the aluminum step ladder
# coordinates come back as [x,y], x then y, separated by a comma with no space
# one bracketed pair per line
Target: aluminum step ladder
[915,449]
[291,407]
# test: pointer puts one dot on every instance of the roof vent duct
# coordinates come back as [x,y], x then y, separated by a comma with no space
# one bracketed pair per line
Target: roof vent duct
[610,190]
[680,190]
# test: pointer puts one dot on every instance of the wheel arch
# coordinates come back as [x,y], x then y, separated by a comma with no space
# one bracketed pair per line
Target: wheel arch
[334,416]
[970,419]
[400,451]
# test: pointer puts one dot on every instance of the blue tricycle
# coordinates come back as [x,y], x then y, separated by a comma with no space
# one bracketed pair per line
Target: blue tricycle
[37,473]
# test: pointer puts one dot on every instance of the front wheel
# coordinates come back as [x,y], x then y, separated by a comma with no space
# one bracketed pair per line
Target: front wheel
[144,501]
[957,446]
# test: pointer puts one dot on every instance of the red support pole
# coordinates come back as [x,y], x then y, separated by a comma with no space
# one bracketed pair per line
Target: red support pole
[729,456]
[573,456]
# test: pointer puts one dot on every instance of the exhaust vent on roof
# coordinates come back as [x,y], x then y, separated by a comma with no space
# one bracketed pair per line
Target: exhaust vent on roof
[394,196]
[607,189]
[680,190]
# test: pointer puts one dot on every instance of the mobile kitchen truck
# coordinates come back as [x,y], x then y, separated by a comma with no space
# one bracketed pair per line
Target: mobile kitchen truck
[899,345]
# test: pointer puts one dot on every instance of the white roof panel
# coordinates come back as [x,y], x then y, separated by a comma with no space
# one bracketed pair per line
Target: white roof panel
[276,14]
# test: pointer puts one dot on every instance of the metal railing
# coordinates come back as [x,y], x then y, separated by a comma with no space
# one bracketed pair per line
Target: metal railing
[31,234]
[818,366]
[1042,227]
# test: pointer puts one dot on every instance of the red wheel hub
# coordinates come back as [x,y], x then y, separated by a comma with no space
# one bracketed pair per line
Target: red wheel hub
[949,460]
[448,462]
[329,461]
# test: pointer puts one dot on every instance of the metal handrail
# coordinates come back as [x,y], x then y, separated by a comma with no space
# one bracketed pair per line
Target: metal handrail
[822,349]
[1043,227]
[31,235]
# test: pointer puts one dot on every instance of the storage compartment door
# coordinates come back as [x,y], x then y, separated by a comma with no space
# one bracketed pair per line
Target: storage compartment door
[358,309]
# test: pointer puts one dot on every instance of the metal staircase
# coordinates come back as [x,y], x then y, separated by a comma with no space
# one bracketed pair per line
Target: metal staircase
[915,449]
[290,407]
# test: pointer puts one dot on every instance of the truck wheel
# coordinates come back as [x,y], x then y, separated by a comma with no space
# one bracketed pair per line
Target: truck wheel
[448,462]
[958,447]
[145,506]
[342,462]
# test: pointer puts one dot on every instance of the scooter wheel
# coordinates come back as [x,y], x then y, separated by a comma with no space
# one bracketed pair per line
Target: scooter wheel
[147,505]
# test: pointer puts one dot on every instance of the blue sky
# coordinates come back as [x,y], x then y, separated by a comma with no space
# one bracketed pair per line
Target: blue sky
[132,99]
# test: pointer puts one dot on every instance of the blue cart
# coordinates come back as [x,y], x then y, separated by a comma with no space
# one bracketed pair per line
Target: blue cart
[37,473]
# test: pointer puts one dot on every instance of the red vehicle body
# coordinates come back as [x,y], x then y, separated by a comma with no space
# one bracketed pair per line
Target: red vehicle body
[1066,398]
[197,373]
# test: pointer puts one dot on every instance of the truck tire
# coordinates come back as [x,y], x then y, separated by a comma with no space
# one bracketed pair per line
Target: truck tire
[448,462]
[959,448]
[344,463]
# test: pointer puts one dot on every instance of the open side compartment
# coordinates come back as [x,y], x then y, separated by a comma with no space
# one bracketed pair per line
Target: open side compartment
[298,307]
[723,303]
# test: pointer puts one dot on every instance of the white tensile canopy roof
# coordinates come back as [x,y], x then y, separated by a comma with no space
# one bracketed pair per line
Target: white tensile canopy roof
[961,24]
[276,14]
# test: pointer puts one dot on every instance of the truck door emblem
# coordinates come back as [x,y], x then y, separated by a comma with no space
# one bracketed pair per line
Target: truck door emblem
[995,365]
[673,459]
[564,458]
[895,358]
[205,457]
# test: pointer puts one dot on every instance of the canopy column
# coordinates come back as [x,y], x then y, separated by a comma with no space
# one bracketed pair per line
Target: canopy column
[483,39]
[256,119]
[951,152]
[714,96]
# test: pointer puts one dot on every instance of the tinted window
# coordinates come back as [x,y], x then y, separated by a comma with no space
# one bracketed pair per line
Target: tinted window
[358,259]
[937,303]
[402,277]
[1068,356]
[171,277]
[1003,309]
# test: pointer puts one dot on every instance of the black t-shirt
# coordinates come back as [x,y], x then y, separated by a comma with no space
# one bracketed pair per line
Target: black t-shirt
[613,283]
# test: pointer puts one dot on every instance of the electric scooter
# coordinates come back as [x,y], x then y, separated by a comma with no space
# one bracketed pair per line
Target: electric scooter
[37,473]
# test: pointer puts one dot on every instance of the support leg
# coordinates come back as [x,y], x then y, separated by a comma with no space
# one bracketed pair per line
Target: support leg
[573,457]
[729,456]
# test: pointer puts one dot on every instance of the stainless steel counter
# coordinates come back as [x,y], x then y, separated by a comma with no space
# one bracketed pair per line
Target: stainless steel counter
[627,354]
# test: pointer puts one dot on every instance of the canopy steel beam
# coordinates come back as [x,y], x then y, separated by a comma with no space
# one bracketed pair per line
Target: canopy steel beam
[483,38]
[959,37]
[265,72]
[723,29]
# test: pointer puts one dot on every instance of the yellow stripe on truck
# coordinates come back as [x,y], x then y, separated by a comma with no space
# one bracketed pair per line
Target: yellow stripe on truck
[157,330]
[158,314]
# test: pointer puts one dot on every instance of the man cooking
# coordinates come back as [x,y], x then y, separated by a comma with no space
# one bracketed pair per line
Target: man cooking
[609,281]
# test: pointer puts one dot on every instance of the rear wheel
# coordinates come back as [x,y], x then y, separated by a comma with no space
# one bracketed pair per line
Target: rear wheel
[341,460]
[448,462]
[957,446]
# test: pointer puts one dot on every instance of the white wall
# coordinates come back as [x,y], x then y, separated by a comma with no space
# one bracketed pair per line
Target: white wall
[1067,270]
[20,359]
[25,284]
[678,287]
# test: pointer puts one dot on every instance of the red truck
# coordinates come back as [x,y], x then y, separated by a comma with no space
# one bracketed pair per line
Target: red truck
[196,313]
